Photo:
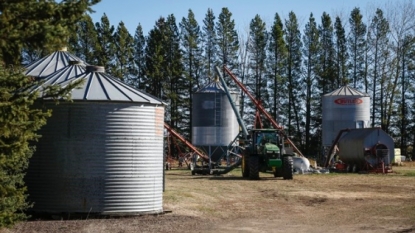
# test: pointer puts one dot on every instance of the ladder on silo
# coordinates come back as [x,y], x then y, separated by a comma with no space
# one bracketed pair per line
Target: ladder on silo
[218,118]
[218,108]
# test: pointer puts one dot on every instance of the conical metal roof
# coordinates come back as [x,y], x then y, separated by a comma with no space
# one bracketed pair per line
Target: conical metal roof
[51,63]
[62,75]
[346,91]
[99,86]
[213,87]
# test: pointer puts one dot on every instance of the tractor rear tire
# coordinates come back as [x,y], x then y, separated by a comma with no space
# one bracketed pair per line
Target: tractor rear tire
[287,168]
[245,166]
[253,168]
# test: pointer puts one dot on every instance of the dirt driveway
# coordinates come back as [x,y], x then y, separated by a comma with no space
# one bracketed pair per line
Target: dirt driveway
[308,203]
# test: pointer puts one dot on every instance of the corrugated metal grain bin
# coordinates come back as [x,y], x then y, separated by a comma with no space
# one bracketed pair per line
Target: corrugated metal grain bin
[214,124]
[101,154]
[344,108]
[368,146]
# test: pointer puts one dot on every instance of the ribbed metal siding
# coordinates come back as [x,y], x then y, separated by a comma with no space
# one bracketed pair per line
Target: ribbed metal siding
[102,158]
[352,145]
[342,112]
[213,121]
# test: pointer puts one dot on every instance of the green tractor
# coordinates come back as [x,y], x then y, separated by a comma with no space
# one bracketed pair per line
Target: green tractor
[266,153]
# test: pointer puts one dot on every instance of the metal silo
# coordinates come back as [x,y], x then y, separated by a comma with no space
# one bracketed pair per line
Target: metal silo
[102,153]
[52,63]
[366,149]
[344,108]
[214,124]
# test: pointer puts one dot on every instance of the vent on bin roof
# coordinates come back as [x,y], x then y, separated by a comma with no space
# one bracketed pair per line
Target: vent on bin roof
[95,69]
[346,90]
[74,62]
[51,63]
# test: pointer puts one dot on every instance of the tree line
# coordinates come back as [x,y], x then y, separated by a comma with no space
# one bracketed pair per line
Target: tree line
[288,67]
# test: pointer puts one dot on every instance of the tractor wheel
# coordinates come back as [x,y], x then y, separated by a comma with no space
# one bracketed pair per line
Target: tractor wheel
[287,168]
[253,168]
[245,166]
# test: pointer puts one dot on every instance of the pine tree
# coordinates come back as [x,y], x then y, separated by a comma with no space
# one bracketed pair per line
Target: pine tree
[277,57]
[257,43]
[209,44]
[124,44]
[177,84]
[227,40]
[357,45]
[139,69]
[311,60]
[46,27]
[407,75]
[18,124]
[84,41]
[327,55]
[378,42]
[342,55]
[155,59]
[192,58]
[191,41]
[105,50]
[294,59]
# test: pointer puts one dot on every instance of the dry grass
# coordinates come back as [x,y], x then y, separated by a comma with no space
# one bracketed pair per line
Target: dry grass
[228,203]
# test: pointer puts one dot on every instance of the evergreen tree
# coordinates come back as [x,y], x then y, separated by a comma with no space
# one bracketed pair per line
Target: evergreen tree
[257,49]
[18,124]
[46,26]
[124,45]
[257,43]
[105,50]
[407,79]
[138,72]
[277,58]
[227,40]
[178,85]
[401,21]
[191,41]
[209,44]
[327,55]
[378,41]
[155,59]
[357,45]
[311,60]
[342,55]
[294,59]
[84,41]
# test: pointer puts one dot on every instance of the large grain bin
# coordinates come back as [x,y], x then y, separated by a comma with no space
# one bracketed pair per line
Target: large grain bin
[101,154]
[366,148]
[51,63]
[214,124]
[344,108]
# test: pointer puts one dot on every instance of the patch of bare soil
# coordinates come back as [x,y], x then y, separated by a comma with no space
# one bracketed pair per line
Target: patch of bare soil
[229,203]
